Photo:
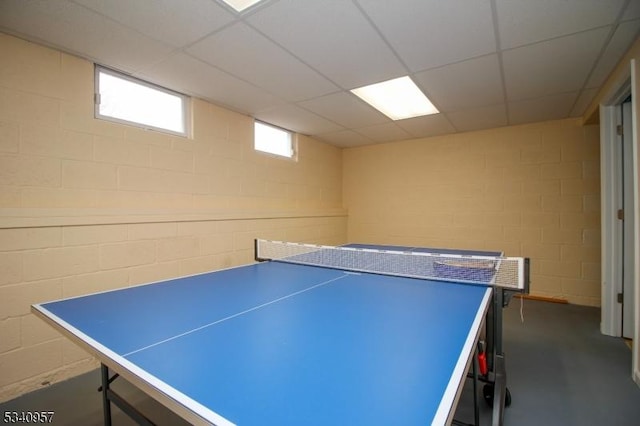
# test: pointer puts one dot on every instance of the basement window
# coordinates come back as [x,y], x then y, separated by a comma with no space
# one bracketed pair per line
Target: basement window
[273,140]
[128,100]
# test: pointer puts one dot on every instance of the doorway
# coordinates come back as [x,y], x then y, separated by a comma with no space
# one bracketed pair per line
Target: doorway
[625,194]
[620,277]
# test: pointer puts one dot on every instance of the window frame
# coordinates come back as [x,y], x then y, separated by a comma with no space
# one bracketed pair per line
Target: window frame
[293,138]
[186,102]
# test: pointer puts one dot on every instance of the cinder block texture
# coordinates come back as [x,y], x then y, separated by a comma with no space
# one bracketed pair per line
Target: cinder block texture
[88,205]
[530,190]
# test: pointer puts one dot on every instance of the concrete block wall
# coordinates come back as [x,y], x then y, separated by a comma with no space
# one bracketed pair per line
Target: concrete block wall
[39,264]
[531,190]
[88,205]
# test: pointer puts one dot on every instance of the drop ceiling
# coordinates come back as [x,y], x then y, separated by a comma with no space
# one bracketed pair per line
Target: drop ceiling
[292,63]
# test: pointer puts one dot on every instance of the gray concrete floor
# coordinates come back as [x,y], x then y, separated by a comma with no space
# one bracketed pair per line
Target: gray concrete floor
[561,371]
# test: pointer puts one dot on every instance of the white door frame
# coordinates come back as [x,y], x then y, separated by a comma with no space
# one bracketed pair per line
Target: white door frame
[628,191]
[611,311]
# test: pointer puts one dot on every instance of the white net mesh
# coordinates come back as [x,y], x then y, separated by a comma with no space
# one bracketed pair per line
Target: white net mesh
[487,270]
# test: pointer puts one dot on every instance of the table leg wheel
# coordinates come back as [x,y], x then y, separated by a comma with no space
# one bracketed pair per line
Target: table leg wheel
[487,393]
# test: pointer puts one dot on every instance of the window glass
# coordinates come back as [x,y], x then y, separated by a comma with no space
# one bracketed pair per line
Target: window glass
[125,99]
[273,140]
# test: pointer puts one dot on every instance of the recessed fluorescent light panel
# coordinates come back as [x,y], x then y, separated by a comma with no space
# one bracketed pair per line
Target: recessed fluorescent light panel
[398,99]
[240,5]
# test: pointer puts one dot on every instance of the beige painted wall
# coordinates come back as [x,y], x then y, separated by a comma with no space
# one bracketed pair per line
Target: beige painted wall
[87,205]
[529,190]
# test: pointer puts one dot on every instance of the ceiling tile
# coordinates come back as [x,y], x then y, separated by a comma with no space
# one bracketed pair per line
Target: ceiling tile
[625,34]
[245,53]
[542,109]
[387,132]
[479,118]
[523,22]
[292,62]
[555,66]
[464,85]
[175,23]
[336,41]
[77,30]
[345,109]
[184,73]
[428,125]
[298,120]
[632,11]
[583,102]
[345,139]
[431,33]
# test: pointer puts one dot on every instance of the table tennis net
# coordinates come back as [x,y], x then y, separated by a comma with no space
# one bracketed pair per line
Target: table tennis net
[486,270]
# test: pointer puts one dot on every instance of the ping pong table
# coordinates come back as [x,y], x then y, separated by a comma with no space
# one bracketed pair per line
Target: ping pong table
[293,343]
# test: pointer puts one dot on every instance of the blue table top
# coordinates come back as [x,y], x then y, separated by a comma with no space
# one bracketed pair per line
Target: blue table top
[283,344]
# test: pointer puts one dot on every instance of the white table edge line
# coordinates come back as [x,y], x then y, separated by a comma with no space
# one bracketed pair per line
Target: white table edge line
[444,411]
[104,354]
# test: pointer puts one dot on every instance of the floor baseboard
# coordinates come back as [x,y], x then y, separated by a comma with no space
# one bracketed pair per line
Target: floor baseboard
[542,298]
